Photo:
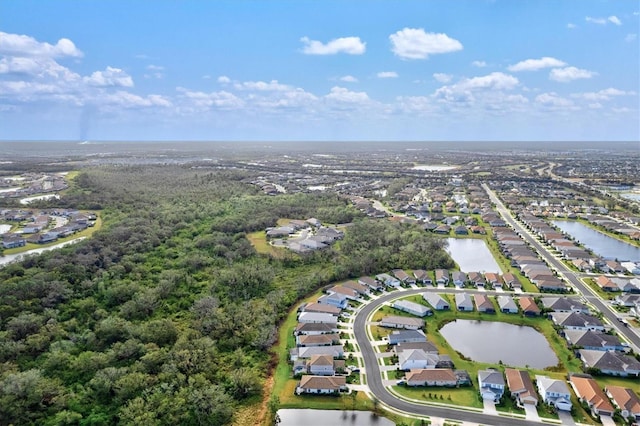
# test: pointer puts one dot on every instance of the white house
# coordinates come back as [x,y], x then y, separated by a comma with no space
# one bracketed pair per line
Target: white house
[334,299]
[321,365]
[412,308]
[491,384]
[388,280]
[393,321]
[317,317]
[507,305]
[416,359]
[464,303]
[321,384]
[436,301]
[554,392]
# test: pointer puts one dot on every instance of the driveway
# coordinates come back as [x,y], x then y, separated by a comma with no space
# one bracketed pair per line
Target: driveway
[489,407]
[565,418]
[531,412]
[607,421]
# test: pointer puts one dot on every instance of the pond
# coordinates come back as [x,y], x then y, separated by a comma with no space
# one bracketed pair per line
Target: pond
[492,342]
[330,417]
[6,259]
[472,255]
[601,244]
[4,228]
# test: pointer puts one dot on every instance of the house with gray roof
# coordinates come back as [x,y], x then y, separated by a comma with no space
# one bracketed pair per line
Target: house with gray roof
[459,278]
[564,304]
[491,384]
[464,303]
[417,359]
[554,392]
[408,323]
[334,299]
[336,351]
[593,340]
[611,363]
[407,336]
[388,280]
[412,308]
[371,283]
[576,321]
[436,301]
[507,305]
[426,346]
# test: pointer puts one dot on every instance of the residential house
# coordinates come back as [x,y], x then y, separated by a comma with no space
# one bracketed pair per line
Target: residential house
[407,336]
[626,400]
[306,352]
[550,283]
[392,321]
[529,306]
[403,276]
[412,308]
[576,321]
[416,359]
[606,284]
[442,276]
[442,229]
[458,278]
[464,302]
[493,279]
[554,392]
[436,301]
[564,304]
[315,328]
[491,384]
[432,377]
[334,299]
[521,387]
[422,276]
[628,300]
[317,317]
[507,305]
[371,283]
[357,287]
[512,281]
[388,280]
[347,292]
[613,267]
[10,241]
[611,363]
[426,346]
[322,308]
[324,365]
[461,230]
[483,304]
[589,391]
[321,384]
[327,339]
[476,279]
[627,285]
[593,340]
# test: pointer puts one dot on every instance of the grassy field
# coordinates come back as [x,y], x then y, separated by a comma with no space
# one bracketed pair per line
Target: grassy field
[463,396]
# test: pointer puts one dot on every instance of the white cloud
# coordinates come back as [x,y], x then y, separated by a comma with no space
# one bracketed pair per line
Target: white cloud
[415,43]
[341,94]
[599,21]
[442,77]
[631,37]
[223,79]
[536,64]
[387,74]
[273,85]
[614,19]
[348,79]
[202,100]
[129,100]
[348,45]
[416,104]
[571,26]
[297,98]
[479,64]
[567,74]
[603,95]
[553,100]
[604,21]
[155,68]
[110,77]
[495,80]
[22,45]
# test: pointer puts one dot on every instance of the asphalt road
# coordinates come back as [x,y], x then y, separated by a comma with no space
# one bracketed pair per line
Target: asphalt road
[374,378]
[562,269]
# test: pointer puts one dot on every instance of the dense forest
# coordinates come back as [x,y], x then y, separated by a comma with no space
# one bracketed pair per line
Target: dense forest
[166,315]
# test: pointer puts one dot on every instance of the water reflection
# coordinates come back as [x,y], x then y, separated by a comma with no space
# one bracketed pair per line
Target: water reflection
[472,255]
[599,243]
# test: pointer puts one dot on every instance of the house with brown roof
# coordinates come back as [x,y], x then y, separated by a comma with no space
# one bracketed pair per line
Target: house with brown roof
[359,288]
[484,304]
[318,339]
[321,384]
[371,283]
[432,377]
[589,392]
[511,280]
[403,276]
[442,276]
[322,308]
[529,306]
[422,276]
[493,279]
[606,284]
[521,387]
[324,365]
[626,400]
[476,279]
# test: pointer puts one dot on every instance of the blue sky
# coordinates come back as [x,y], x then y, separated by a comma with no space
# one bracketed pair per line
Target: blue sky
[320,70]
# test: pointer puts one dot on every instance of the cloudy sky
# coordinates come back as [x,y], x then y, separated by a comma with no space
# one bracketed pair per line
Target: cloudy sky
[320,70]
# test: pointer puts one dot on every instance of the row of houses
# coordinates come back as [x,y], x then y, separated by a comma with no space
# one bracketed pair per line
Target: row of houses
[556,392]
[36,226]
[314,237]
[527,260]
